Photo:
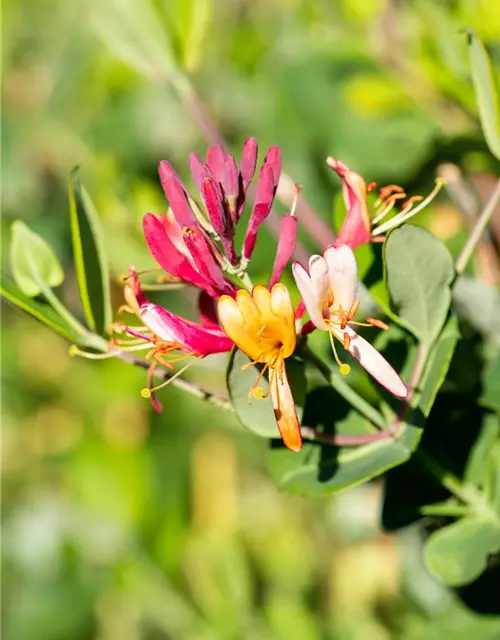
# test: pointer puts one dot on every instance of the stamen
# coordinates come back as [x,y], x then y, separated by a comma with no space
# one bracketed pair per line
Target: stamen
[387,191]
[146,393]
[343,321]
[389,202]
[410,202]
[255,388]
[298,189]
[343,367]
[371,186]
[347,341]
[405,215]
[75,351]
[353,310]
[374,322]
[330,298]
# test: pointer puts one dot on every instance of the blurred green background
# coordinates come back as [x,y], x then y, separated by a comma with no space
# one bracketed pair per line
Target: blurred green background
[122,524]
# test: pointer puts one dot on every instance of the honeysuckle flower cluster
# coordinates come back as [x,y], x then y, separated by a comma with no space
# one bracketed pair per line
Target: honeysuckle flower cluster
[194,244]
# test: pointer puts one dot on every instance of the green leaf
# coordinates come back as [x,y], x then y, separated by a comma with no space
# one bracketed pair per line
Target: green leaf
[324,469]
[490,396]
[458,554]
[258,416]
[39,310]
[419,271]
[90,258]
[438,365]
[486,92]
[471,295]
[478,467]
[134,33]
[35,266]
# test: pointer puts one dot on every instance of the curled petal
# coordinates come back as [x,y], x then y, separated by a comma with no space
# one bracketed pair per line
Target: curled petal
[309,296]
[343,276]
[282,308]
[286,247]
[318,270]
[357,224]
[373,361]
[194,338]
[284,410]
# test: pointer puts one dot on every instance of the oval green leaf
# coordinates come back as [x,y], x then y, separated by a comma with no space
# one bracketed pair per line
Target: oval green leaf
[458,554]
[321,469]
[418,271]
[39,310]
[90,258]
[486,92]
[35,267]
[258,416]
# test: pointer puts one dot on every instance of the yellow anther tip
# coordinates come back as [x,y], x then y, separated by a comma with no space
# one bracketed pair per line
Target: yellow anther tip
[145,393]
[258,392]
[73,350]
[345,369]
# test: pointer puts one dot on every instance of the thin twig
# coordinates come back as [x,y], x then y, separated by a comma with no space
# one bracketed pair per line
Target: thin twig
[476,233]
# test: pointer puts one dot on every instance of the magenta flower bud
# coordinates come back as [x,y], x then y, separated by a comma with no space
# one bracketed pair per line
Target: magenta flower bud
[214,205]
[203,257]
[231,185]
[273,158]
[196,165]
[262,206]
[176,195]
[248,161]
[215,160]
[286,247]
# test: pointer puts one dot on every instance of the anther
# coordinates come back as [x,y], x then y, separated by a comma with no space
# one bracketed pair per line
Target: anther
[343,321]
[146,393]
[353,310]
[258,393]
[371,186]
[330,298]
[378,323]
[347,341]
[410,202]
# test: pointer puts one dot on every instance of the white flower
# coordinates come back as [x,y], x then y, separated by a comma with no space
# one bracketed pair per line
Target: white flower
[329,292]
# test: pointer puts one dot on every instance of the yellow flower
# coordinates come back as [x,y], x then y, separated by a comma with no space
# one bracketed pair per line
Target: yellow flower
[262,325]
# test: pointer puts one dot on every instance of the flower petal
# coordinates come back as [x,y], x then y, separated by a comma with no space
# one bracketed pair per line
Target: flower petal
[357,224]
[284,410]
[282,308]
[343,276]
[318,270]
[308,293]
[374,362]
[168,256]
[171,328]
[236,328]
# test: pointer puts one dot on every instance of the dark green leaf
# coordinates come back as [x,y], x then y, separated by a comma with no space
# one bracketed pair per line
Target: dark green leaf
[458,554]
[486,92]
[438,365]
[258,416]
[90,259]
[323,468]
[39,310]
[419,271]
[34,265]
[479,304]
[478,467]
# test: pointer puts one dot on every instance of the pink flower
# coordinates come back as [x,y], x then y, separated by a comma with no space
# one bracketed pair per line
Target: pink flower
[168,335]
[329,292]
[358,224]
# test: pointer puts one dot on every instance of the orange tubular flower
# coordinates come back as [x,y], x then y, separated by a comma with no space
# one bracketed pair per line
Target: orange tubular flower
[262,325]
